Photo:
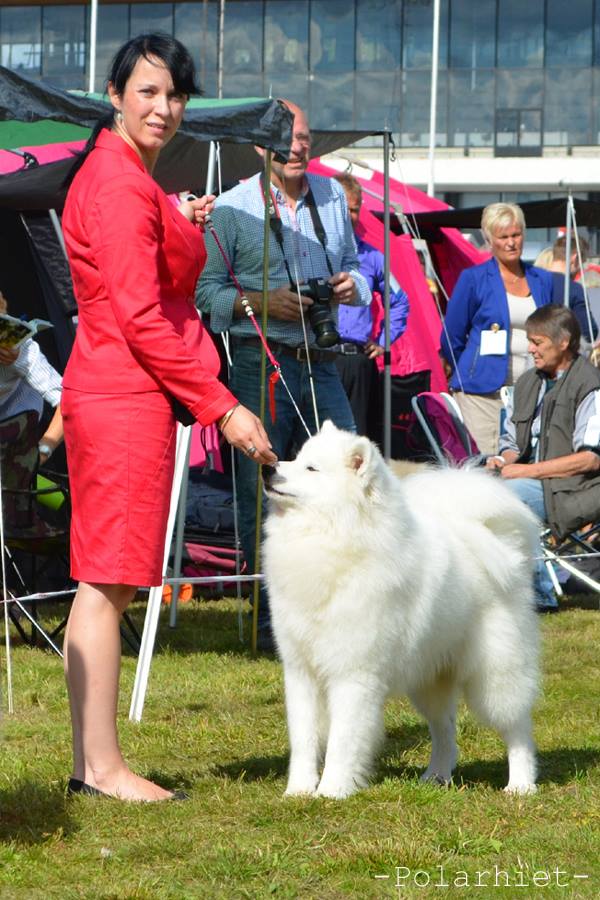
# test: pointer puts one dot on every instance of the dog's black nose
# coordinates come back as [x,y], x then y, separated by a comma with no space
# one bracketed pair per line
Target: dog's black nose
[268,473]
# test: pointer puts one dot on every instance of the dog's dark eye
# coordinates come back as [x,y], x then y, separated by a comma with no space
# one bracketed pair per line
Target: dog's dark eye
[311,469]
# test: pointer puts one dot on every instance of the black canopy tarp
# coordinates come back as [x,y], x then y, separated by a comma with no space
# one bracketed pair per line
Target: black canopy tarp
[538,214]
[183,164]
[263,122]
[237,125]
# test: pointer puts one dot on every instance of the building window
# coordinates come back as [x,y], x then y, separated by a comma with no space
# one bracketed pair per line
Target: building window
[21,39]
[416,91]
[569,32]
[520,33]
[378,35]
[471,113]
[418,34]
[286,37]
[113,30]
[332,101]
[64,46]
[196,26]
[568,107]
[332,33]
[473,34]
[147,17]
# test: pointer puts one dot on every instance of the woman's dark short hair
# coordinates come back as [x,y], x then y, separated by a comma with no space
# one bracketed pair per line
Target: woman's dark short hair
[167,49]
[557,323]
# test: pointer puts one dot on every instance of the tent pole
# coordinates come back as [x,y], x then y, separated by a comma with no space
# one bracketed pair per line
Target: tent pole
[155,596]
[179,534]
[58,231]
[92,54]
[433,99]
[387,372]
[210,172]
[262,408]
[568,250]
[588,311]
[7,643]
[220,49]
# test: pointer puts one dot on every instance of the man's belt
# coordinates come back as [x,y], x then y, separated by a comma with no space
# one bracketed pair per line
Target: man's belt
[278,349]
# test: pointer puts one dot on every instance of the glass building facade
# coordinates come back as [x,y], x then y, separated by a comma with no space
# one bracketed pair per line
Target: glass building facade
[515,75]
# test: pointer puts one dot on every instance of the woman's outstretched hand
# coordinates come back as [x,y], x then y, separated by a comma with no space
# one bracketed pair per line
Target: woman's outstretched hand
[245,431]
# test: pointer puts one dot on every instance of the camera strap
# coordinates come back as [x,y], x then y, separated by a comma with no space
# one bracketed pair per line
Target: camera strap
[277,225]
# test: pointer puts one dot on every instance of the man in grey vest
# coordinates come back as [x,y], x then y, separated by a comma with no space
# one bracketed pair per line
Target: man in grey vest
[550,444]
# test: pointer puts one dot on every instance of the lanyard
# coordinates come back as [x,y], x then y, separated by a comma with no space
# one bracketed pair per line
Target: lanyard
[277,225]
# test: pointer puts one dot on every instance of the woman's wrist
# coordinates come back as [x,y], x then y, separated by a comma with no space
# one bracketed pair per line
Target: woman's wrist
[222,422]
[46,448]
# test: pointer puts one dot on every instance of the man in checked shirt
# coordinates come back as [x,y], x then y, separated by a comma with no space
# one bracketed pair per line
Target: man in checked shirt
[238,217]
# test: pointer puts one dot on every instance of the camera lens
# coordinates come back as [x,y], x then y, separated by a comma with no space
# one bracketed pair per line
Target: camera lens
[322,324]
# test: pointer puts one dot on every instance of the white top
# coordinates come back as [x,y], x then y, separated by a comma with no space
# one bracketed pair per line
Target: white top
[519,361]
[27,382]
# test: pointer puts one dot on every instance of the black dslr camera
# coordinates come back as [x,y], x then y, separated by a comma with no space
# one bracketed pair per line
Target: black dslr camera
[319,314]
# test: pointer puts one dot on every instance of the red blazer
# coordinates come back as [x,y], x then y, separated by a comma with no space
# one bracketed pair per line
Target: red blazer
[135,260]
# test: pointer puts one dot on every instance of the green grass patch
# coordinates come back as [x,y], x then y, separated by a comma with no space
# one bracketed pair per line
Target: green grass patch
[214,725]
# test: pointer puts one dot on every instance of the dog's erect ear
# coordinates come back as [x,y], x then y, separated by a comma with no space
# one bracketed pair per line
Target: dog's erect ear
[328,426]
[361,455]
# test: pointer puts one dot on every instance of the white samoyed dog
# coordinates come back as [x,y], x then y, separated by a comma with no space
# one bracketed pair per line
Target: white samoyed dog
[382,586]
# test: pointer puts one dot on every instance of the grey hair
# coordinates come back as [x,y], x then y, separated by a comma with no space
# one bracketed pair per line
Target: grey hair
[557,323]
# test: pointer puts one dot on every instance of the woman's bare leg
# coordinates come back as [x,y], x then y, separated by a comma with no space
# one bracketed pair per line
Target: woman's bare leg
[92,666]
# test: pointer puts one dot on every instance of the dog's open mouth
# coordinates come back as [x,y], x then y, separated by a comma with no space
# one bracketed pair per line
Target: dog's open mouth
[270,491]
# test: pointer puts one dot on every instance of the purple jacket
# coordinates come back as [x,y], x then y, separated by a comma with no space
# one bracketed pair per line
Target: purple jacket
[356,322]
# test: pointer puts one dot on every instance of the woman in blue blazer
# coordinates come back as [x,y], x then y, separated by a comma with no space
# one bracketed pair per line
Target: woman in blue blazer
[483,341]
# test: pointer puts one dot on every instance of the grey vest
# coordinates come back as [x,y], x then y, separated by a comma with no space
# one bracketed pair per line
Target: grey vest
[570,502]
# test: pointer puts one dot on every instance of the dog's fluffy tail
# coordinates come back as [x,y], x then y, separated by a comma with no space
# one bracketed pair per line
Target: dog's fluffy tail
[512,529]
[500,529]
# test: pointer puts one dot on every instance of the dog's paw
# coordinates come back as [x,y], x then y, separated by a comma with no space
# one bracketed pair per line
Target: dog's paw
[299,792]
[520,790]
[433,777]
[305,787]
[337,789]
[341,792]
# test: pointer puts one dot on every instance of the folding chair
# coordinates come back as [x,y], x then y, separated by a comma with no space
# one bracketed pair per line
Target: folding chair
[440,420]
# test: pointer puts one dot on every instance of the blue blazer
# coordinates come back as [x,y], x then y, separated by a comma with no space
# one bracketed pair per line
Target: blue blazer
[479,302]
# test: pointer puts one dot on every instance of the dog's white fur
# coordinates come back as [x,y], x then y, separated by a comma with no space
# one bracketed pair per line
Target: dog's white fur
[382,586]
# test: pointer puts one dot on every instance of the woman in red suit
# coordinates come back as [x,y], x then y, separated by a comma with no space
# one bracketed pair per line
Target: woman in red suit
[135,259]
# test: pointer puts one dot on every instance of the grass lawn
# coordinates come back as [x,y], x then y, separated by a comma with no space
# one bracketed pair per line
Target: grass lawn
[214,724]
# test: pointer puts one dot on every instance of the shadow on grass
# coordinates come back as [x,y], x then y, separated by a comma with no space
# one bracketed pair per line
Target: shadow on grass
[31,812]
[561,766]
[581,601]
[203,627]
[174,781]
[255,768]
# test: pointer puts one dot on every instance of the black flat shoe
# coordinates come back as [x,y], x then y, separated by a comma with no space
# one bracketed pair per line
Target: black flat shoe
[76,786]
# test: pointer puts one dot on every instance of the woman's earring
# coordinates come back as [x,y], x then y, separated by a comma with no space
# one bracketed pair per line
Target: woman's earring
[119,116]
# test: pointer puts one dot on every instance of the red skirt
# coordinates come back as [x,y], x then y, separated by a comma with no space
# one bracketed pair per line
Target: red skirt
[121,455]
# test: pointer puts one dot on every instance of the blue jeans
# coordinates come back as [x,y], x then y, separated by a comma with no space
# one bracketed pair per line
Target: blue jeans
[286,433]
[531,492]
